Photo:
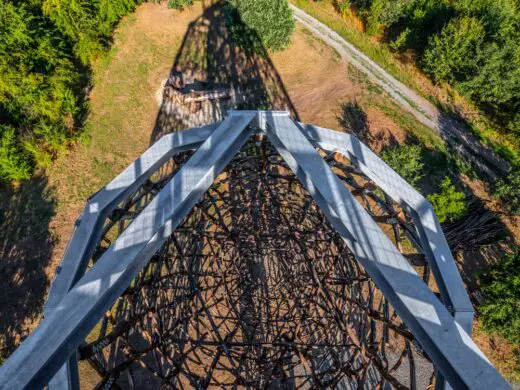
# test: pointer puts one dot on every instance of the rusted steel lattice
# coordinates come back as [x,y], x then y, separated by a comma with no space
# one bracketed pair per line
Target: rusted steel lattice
[256,289]
[256,261]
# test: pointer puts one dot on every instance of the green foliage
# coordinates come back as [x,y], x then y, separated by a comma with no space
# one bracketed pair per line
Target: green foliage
[37,88]
[401,43]
[343,6]
[496,84]
[472,44]
[406,161]
[88,24]
[419,18]
[179,4]
[42,46]
[457,51]
[449,204]
[269,21]
[500,285]
[13,163]
[508,191]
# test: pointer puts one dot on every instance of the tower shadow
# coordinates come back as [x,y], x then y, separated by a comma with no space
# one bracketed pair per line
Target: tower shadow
[213,73]
[25,250]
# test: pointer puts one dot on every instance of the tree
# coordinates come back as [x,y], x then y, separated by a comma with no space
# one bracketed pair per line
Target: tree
[37,87]
[13,163]
[508,191]
[271,20]
[449,204]
[496,84]
[406,161]
[42,43]
[500,286]
[455,54]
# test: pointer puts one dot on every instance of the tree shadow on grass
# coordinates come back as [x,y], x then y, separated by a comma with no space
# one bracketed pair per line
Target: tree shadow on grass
[352,118]
[216,70]
[25,251]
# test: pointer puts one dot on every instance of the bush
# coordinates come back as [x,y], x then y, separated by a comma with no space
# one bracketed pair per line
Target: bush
[508,191]
[271,20]
[455,53]
[500,286]
[43,44]
[179,4]
[13,163]
[449,204]
[406,161]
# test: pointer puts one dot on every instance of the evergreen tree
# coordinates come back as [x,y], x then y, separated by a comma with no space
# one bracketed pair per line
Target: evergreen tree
[42,43]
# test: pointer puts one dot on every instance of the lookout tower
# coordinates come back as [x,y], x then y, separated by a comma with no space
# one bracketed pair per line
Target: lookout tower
[257,252]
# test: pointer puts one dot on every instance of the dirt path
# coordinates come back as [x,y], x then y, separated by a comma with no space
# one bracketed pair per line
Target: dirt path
[428,114]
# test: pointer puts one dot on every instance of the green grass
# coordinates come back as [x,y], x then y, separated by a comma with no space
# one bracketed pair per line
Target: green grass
[407,122]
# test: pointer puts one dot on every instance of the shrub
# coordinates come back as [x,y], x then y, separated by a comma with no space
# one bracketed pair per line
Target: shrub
[271,20]
[343,6]
[508,191]
[401,43]
[406,161]
[179,4]
[455,54]
[14,165]
[500,286]
[449,204]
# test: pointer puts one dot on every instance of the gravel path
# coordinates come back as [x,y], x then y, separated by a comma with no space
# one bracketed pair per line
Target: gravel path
[428,114]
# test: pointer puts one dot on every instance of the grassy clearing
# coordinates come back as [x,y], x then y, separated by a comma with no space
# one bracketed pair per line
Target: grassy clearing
[325,13]
[443,96]
[122,110]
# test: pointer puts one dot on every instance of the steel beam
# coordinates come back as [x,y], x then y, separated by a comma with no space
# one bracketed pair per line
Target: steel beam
[89,226]
[37,360]
[437,251]
[448,345]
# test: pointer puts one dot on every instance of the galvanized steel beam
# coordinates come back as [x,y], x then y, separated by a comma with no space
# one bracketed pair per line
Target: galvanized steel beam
[36,361]
[448,345]
[89,226]
[70,315]
[434,243]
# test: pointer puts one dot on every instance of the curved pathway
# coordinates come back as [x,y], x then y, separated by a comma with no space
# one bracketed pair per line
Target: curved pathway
[428,114]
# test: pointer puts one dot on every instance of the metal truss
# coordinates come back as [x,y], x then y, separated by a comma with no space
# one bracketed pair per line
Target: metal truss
[298,259]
